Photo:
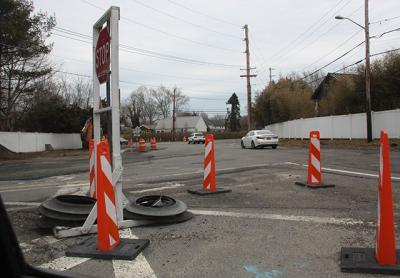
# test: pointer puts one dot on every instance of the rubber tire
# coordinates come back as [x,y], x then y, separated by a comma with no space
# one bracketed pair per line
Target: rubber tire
[242,145]
[177,208]
[274,147]
[188,142]
[253,146]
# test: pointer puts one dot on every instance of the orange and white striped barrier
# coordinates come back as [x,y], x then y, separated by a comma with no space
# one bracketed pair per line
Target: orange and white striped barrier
[107,234]
[153,143]
[142,145]
[385,251]
[384,258]
[92,179]
[314,177]
[209,180]
[209,164]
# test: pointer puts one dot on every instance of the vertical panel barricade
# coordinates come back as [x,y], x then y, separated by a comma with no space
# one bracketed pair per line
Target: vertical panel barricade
[209,164]
[314,175]
[314,159]
[107,235]
[385,251]
[92,178]
[209,180]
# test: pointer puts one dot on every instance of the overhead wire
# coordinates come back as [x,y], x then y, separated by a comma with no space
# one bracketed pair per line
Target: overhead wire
[162,31]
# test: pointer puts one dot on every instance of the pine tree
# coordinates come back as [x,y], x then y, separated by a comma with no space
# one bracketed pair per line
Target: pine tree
[233,120]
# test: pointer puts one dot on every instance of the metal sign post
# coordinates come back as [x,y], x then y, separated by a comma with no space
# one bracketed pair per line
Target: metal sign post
[105,69]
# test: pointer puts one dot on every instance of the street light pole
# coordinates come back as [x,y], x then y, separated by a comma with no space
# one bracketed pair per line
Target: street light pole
[367,71]
[367,76]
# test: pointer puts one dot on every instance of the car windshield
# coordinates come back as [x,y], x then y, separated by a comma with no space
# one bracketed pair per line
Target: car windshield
[197,134]
[264,132]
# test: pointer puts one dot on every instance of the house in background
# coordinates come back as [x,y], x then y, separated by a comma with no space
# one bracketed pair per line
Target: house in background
[182,124]
[323,88]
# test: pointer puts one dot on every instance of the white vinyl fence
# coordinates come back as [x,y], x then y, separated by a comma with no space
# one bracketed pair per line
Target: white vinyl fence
[22,142]
[350,126]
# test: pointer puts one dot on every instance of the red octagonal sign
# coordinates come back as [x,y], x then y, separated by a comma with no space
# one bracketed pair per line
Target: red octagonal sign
[103,55]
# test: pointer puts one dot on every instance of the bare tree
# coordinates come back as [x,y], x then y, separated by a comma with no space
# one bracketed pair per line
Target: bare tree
[181,101]
[163,98]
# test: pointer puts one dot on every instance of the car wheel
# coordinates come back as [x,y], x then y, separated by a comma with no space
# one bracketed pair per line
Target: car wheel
[188,142]
[241,144]
[253,146]
[274,147]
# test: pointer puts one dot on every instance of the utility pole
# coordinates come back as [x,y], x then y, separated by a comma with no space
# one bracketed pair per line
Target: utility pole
[270,74]
[248,75]
[367,76]
[173,115]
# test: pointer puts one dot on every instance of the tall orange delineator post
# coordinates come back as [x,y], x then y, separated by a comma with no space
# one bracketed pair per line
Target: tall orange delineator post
[107,234]
[92,180]
[314,176]
[209,181]
[383,259]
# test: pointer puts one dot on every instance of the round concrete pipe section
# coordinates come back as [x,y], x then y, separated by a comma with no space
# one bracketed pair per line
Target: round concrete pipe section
[70,204]
[65,210]
[155,206]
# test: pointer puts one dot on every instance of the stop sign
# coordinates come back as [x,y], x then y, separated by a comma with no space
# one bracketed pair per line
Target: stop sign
[103,55]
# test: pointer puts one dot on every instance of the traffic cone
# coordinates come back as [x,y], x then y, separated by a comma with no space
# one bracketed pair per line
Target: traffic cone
[209,181]
[314,177]
[184,139]
[153,143]
[142,145]
[92,179]
[385,250]
[130,142]
[383,259]
[107,234]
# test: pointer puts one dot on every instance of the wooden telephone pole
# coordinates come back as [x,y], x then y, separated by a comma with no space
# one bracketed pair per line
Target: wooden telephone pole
[248,75]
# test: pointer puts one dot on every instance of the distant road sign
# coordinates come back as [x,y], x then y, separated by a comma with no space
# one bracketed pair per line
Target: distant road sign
[103,55]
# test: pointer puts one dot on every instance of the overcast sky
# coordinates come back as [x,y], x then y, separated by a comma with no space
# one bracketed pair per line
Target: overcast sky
[287,35]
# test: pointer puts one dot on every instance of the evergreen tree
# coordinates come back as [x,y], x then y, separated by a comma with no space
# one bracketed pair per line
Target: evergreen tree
[233,120]
[23,53]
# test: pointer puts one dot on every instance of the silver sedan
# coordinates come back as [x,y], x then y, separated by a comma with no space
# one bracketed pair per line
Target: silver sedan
[259,139]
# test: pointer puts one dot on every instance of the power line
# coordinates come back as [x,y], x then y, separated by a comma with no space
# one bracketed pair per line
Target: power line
[185,21]
[307,30]
[203,14]
[162,31]
[384,20]
[144,52]
[330,63]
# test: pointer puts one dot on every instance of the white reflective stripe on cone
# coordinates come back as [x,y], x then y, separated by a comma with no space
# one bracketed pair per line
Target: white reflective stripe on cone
[315,142]
[315,162]
[208,149]
[106,168]
[207,170]
[110,208]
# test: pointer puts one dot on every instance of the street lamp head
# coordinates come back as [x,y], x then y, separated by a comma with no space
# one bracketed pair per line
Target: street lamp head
[339,17]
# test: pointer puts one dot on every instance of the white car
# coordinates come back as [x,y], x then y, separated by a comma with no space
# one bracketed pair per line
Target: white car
[259,139]
[196,138]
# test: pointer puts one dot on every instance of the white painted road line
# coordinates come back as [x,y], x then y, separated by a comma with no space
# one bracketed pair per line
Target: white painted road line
[332,170]
[176,185]
[139,268]
[64,263]
[298,218]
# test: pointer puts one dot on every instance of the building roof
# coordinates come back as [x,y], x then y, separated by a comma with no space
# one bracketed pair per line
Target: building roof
[322,89]
[181,122]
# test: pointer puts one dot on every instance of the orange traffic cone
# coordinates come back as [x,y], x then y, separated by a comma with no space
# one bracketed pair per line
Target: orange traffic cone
[107,235]
[153,143]
[209,181]
[383,259]
[142,145]
[314,177]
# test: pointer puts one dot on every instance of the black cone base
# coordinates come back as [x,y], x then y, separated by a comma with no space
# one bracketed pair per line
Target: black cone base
[362,260]
[203,192]
[127,249]
[314,185]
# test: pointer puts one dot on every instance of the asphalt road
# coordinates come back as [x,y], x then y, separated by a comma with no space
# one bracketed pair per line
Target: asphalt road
[266,227]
